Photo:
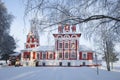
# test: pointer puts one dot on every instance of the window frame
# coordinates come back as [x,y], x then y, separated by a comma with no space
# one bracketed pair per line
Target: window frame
[66,42]
[66,52]
[60,42]
[73,42]
[75,55]
[84,55]
[60,52]
[50,53]
[44,53]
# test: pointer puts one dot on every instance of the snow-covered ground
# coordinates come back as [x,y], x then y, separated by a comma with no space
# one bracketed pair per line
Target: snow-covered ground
[56,73]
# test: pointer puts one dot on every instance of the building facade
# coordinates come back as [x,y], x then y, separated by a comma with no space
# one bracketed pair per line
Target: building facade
[65,52]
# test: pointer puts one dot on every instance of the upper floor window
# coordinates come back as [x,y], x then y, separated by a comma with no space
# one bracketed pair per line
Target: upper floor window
[59,36]
[73,45]
[66,36]
[66,44]
[60,45]
[74,36]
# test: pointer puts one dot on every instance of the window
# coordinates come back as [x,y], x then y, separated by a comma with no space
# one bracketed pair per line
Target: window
[38,55]
[84,56]
[66,36]
[74,36]
[73,55]
[44,56]
[66,55]
[73,45]
[60,55]
[66,45]
[50,56]
[60,45]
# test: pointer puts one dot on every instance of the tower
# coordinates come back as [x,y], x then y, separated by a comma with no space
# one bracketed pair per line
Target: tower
[67,42]
[29,56]
[32,37]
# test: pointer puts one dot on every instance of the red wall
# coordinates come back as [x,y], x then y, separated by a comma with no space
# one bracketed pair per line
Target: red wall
[89,56]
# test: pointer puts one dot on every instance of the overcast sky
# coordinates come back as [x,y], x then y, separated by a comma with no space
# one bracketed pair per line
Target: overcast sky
[19,30]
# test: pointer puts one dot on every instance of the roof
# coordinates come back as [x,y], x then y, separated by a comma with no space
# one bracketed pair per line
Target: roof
[85,48]
[52,48]
[45,48]
[15,54]
[41,48]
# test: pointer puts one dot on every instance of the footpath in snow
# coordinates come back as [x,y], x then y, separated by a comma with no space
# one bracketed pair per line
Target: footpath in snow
[56,73]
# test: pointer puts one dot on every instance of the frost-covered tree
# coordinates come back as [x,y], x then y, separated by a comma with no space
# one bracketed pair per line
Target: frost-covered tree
[7,42]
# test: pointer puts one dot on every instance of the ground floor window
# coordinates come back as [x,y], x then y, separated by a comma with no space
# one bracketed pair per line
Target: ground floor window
[60,55]
[84,56]
[51,56]
[66,55]
[43,56]
[73,55]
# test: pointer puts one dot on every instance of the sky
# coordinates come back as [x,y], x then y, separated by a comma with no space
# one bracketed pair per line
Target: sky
[20,28]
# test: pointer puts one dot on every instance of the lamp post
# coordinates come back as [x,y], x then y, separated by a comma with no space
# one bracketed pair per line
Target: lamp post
[96,63]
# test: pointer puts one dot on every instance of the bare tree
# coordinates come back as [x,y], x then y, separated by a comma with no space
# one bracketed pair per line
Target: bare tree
[99,19]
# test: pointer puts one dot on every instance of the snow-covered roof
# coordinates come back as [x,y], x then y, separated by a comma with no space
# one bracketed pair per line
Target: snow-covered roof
[52,48]
[85,48]
[44,48]
[15,54]
[41,48]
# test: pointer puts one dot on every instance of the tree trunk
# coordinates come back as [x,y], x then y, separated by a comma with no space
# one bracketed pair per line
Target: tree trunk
[6,61]
[107,61]
[108,67]
[111,65]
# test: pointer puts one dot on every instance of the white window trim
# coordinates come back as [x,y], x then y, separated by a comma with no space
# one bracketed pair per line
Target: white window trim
[83,55]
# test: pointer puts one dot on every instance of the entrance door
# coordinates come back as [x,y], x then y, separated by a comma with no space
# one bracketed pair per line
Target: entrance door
[84,64]
[69,64]
[60,63]
[43,63]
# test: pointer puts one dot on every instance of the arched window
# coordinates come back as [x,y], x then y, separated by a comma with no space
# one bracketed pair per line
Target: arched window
[74,36]
[66,36]
[59,36]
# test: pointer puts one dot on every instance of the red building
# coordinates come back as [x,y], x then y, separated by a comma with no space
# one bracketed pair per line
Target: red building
[65,52]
